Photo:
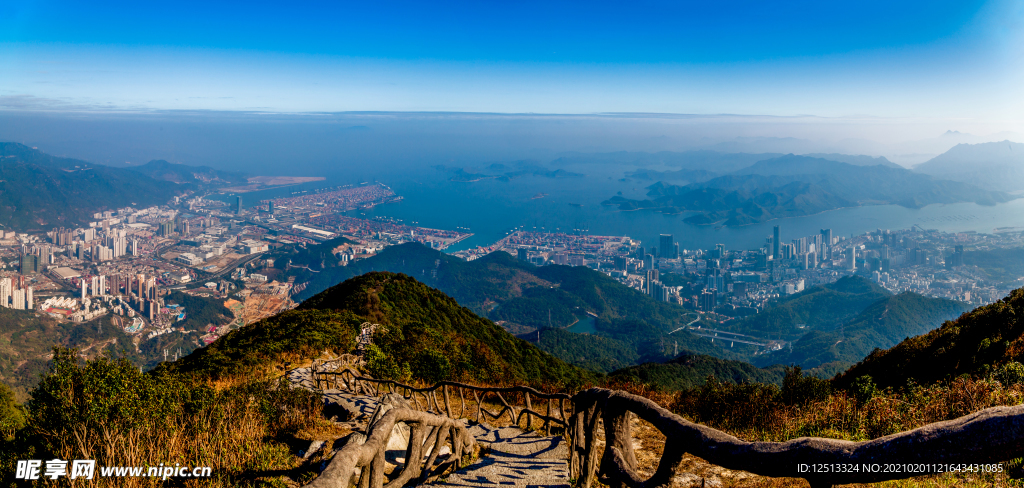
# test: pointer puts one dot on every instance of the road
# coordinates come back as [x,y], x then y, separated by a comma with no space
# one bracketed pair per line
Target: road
[722,334]
[687,325]
[228,269]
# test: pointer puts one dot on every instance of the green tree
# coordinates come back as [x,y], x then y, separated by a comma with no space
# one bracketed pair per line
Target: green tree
[1011,373]
[12,415]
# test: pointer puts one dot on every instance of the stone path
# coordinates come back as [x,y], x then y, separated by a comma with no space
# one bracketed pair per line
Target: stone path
[509,456]
[514,458]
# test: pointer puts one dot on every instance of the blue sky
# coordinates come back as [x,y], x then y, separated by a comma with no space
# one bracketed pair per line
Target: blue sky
[949,59]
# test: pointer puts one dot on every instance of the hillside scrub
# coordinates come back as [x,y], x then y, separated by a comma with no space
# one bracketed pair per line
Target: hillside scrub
[807,406]
[108,411]
[977,342]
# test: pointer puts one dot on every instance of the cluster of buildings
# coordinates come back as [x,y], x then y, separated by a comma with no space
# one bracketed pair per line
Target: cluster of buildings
[739,282]
[14,294]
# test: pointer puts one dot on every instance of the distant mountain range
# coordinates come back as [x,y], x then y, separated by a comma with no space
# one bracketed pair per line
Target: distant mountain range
[793,186]
[39,191]
[505,171]
[183,174]
[538,303]
[634,328]
[992,165]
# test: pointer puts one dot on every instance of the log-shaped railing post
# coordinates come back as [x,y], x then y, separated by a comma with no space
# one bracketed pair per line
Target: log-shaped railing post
[547,421]
[462,403]
[479,406]
[589,465]
[447,403]
[529,420]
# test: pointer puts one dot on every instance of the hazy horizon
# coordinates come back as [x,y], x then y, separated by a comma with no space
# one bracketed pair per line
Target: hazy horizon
[262,142]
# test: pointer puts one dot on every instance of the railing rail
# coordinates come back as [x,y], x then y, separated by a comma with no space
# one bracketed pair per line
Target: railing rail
[351,380]
[986,437]
[989,436]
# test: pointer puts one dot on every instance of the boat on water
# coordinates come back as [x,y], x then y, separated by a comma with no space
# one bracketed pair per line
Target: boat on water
[575,204]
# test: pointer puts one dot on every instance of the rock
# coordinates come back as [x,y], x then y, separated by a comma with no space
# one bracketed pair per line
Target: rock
[313,448]
[690,480]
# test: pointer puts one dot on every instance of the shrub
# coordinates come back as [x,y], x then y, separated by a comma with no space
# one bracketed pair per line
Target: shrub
[798,389]
[109,411]
[1011,373]
[863,389]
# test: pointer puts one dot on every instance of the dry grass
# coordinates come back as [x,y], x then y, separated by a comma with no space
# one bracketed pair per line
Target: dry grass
[246,431]
[757,417]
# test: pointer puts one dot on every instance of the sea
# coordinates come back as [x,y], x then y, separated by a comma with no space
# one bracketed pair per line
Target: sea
[491,208]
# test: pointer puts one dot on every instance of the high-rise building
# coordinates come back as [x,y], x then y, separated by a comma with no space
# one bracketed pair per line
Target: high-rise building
[800,245]
[134,247]
[826,244]
[103,285]
[18,300]
[5,292]
[720,251]
[716,279]
[166,228]
[620,263]
[853,258]
[957,259]
[238,204]
[29,264]
[667,247]
[83,289]
[521,253]
[648,261]
[652,276]
[29,304]
[776,241]
[270,207]
[94,285]
[708,299]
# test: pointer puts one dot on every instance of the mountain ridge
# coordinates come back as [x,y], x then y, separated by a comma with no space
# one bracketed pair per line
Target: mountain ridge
[994,165]
[792,186]
[39,191]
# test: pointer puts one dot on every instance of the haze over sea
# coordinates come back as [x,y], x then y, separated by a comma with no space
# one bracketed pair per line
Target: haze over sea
[402,150]
[490,208]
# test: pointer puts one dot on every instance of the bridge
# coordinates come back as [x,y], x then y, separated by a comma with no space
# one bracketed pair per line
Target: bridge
[723,334]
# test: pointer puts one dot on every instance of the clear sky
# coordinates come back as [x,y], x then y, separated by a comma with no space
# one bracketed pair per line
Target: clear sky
[954,59]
